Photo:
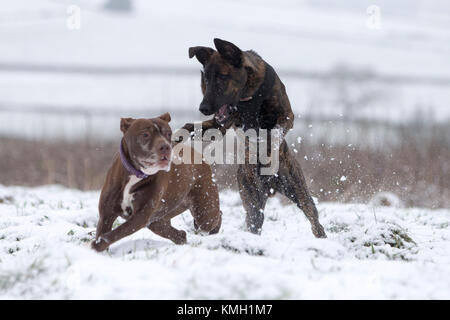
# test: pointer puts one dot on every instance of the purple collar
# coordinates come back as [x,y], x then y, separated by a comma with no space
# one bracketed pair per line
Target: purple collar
[128,166]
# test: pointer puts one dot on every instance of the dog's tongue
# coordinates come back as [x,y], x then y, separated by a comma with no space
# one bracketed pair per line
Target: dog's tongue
[223,111]
[222,114]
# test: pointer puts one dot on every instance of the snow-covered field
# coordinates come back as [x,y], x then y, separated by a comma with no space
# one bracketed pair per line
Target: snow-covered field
[371,252]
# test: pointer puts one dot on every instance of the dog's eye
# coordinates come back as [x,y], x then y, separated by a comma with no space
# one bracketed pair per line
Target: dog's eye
[145,135]
[167,133]
[222,76]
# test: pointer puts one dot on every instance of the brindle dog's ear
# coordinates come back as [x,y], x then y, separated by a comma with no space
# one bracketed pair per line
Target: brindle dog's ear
[166,117]
[201,53]
[229,52]
[125,124]
[202,82]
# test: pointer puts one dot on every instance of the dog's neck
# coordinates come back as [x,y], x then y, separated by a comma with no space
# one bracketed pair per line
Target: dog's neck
[249,110]
[264,85]
[127,164]
[256,77]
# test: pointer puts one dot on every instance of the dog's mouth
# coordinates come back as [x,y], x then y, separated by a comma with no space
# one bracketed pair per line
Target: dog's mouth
[164,161]
[224,113]
[148,163]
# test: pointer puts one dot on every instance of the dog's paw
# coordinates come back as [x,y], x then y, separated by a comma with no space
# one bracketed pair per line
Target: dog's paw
[99,245]
[180,238]
[318,231]
[189,127]
[181,135]
[215,230]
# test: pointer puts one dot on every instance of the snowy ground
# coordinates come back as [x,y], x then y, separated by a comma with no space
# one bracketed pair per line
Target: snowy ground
[371,252]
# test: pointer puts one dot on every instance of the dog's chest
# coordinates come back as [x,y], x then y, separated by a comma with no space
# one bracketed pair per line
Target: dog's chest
[255,114]
[127,197]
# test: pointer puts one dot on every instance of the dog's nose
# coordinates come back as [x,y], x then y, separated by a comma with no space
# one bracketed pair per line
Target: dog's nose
[205,108]
[164,149]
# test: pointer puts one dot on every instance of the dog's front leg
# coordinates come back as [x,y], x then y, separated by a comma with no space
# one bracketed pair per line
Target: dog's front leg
[138,220]
[134,223]
[253,190]
[165,229]
[285,118]
[206,125]
[190,127]
[104,225]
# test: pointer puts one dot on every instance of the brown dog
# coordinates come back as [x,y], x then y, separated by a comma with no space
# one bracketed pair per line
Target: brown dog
[147,191]
[244,91]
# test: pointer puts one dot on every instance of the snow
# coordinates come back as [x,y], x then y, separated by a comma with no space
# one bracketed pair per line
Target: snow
[318,36]
[370,252]
[386,198]
[306,36]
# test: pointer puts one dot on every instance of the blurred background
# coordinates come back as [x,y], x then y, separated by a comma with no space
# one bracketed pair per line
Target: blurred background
[368,81]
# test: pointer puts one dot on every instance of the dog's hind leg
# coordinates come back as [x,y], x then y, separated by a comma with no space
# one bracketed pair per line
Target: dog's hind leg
[208,227]
[292,184]
[205,206]
[165,229]
[254,194]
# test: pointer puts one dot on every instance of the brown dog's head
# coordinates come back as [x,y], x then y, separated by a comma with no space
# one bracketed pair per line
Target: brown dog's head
[148,143]
[224,76]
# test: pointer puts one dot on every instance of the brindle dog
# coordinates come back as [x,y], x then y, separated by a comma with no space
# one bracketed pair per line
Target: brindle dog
[243,91]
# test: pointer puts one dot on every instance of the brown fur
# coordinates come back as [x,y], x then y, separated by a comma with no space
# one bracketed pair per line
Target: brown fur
[158,198]
[245,73]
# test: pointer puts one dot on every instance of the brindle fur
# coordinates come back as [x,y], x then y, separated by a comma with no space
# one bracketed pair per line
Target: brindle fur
[275,112]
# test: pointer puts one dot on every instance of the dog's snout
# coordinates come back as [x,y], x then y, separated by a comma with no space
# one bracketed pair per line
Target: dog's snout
[205,108]
[164,149]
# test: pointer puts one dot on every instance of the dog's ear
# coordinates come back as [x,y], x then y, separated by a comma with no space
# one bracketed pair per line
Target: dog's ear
[202,82]
[229,52]
[249,66]
[166,117]
[125,124]
[201,53]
